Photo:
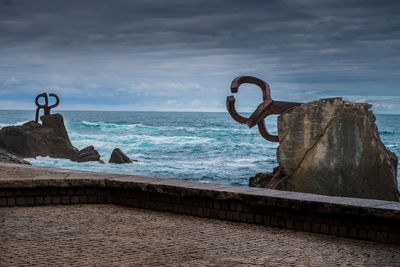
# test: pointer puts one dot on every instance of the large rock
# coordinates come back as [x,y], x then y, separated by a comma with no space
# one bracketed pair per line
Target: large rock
[119,157]
[33,139]
[7,157]
[332,147]
[86,154]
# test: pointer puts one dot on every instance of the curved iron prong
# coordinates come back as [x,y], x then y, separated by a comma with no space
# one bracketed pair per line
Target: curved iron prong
[46,108]
[264,132]
[275,108]
[266,91]
[230,105]
[266,108]
[40,106]
[57,101]
[230,100]
[46,100]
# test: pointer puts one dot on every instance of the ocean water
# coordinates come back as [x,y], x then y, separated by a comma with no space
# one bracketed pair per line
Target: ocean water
[196,146]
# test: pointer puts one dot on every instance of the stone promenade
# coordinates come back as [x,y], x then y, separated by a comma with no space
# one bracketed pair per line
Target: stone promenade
[109,235]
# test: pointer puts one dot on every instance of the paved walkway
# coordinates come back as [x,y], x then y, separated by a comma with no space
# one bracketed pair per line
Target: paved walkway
[113,236]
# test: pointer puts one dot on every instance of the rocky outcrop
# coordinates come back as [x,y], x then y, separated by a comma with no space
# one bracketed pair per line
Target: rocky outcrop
[266,180]
[332,147]
[119,157]
[7,157]
[86,154]
[33,139]
[47,139]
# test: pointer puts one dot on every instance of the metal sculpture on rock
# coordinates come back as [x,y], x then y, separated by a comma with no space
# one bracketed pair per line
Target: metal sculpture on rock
[46,108]
[266,108]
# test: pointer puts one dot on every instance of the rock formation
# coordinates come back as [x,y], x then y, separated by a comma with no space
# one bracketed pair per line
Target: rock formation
[119,157]
[33,139]
[264,179]
[86,154]
[332,147]
[47,139]
[7,157]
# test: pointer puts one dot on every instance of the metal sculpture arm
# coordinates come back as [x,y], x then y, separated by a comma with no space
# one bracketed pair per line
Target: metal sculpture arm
[46,108]
[266,108]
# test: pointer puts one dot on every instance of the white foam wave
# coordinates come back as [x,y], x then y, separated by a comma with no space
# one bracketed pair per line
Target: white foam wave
[135,139]
[103,126]
[11,124]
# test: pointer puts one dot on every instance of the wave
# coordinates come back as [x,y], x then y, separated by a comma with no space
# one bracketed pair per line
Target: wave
[105,125]
[386,133]
[12,124]
[132,139]
[115,127]
[110,126]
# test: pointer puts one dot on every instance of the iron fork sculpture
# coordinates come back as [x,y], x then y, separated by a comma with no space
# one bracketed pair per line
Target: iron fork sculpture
[266,108]
[46,108]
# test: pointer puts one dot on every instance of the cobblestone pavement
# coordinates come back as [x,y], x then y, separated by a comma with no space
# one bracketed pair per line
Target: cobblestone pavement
[117,236]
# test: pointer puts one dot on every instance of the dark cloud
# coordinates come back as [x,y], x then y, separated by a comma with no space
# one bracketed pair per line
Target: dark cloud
[264,25]
[6,2]
[306,44]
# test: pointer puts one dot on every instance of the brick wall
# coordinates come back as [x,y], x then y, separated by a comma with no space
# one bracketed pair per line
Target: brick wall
[366,219]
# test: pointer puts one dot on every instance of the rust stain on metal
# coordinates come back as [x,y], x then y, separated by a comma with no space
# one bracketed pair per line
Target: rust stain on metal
[266,108]
[46,108]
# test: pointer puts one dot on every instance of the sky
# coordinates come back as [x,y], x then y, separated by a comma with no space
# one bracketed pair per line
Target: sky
[157,55]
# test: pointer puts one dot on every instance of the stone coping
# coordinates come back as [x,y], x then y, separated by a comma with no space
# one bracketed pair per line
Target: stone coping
[16,176]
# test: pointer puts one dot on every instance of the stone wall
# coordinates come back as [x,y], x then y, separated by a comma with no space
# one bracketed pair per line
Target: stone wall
[365,219]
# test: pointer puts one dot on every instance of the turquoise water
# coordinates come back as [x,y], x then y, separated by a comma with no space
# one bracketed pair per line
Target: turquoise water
[197,146]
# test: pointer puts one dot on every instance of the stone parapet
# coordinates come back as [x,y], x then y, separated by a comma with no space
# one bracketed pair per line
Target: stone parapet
[367,219]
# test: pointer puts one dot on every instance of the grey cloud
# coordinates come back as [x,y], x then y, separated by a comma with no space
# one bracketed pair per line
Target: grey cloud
[226,24]
[315,44]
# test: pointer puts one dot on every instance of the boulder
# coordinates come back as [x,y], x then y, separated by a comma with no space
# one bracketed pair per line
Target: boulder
[86,154]
[33,139]
[7,157]
[119,157]
[332,147]
[263,179]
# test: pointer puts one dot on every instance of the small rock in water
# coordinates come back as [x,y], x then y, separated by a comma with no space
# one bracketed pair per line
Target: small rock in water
[119,157]
[7,157]
[86,154]
[332,147]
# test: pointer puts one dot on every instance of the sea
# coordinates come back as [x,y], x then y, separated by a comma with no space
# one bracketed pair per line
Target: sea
[196,146]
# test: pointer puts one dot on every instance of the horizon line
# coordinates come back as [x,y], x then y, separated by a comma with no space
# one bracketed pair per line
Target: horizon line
[177,111]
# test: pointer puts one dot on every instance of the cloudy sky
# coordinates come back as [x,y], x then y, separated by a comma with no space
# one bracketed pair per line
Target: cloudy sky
[182,55]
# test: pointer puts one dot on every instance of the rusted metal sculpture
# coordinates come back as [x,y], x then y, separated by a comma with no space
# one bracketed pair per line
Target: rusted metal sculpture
[46,108]
[266,108]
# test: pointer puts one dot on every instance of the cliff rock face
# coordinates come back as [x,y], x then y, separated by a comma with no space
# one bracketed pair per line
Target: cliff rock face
[33,139]
[332,147]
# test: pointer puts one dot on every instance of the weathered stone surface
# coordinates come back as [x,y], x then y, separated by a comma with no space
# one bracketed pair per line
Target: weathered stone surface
[119,157]
[332,147]
[86,154]
[34,139]
[266,180]
[260,180]
[7,157]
